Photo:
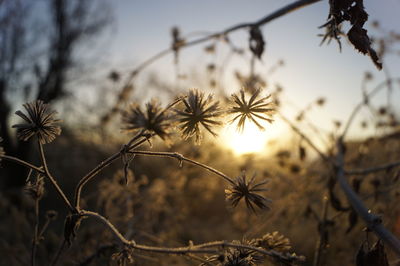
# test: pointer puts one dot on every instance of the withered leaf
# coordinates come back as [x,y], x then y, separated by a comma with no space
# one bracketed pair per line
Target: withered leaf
[256,42]
[72,223]
[359,38]
[352,11]
[376,256]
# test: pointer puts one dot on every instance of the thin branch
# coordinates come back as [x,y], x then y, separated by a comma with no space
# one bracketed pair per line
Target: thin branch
[52,180]
[205,248]
[364,102]
[182,158]
[106,222]
[373,221]
[23,163]
[306,139]
[126,88]
[373,169]
[83,181]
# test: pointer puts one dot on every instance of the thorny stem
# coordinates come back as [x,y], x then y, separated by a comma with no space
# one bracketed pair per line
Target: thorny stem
[52,180]
[373,221]
[274,15]
[23,163]
[83,181]
[201,248]
[182,158]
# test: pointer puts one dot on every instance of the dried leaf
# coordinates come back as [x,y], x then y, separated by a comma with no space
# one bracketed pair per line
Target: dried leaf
[354,12]
[72,223]
[359,38]
[256,42]
[376,256]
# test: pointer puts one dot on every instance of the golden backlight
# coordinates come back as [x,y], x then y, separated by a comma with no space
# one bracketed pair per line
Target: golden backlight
[251,140]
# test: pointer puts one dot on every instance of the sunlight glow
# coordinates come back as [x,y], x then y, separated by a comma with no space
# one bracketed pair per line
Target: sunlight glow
[251,140]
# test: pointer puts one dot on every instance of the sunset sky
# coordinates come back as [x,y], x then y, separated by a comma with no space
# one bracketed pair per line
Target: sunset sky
[142,28]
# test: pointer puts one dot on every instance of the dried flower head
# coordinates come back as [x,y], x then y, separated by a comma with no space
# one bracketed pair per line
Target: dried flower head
[199,110]
[242,188]
[274,241]
[124,256]
[39,121]
[236,256]
[255,107]
[153,120]
[241,257]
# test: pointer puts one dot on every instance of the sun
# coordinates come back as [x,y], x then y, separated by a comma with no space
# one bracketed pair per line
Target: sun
[251,140]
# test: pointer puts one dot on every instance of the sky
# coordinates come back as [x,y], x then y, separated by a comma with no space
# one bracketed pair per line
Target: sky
[142,28]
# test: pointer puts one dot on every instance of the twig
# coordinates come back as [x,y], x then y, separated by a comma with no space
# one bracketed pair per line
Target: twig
[182,158]
[373,169]
[52,180]
[307,139]
[23,163]
[83,181]
[205,248]
[373,221]
[358,107]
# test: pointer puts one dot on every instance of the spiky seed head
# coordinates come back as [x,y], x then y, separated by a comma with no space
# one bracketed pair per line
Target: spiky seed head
[198,110]
[242,256]
[249,191]
[274,241]
[39,121]
[153,119]
[257,107]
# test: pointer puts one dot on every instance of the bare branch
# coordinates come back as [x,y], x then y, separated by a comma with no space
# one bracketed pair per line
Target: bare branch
[307,139]
[182,158]
[105,163]
[373,169]
[364,102]
[373,221]
[23,163]
[205,248]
